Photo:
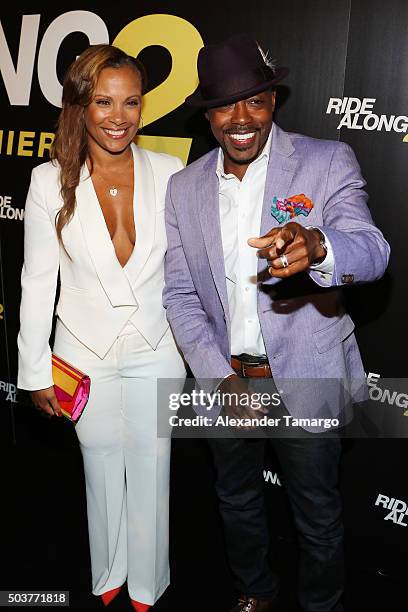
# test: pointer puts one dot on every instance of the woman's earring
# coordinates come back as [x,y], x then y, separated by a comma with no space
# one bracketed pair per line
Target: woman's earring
[140,128]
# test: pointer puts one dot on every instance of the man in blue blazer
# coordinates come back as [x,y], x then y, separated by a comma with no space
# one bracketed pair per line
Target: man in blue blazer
[262,233]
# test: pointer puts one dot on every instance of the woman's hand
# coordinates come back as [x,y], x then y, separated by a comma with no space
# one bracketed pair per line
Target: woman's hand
[46,401]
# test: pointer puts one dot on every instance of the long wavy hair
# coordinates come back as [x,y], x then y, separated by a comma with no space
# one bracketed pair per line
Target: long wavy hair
[70,146]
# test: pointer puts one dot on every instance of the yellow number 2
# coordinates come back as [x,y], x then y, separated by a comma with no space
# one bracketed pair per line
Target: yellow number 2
[183,42]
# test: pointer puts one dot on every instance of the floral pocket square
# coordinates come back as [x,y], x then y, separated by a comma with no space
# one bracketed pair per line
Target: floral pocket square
[287,209]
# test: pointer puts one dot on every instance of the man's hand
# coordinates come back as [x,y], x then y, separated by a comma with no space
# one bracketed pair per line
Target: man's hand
[289,249]
[46,401]
[236,393]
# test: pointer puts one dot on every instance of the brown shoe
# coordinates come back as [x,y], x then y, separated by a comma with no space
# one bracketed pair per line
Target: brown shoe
[250,604]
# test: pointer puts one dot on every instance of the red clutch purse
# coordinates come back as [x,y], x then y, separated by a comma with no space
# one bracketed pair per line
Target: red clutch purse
[71,387]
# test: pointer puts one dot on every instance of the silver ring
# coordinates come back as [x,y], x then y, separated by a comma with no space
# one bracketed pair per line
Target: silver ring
[284,261]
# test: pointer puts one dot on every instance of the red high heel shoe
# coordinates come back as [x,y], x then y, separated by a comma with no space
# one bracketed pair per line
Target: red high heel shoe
[109,595]
[140,607]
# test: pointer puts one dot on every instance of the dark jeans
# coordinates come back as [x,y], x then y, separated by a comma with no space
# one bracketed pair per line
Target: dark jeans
[310,475]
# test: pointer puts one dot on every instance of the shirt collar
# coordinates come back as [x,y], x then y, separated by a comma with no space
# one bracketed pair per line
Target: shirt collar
[263,156]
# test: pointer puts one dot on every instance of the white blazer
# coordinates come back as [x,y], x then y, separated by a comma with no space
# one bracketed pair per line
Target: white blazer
[97,296]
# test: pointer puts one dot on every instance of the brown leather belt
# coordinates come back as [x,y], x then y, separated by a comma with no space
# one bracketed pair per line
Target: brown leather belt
[261,370]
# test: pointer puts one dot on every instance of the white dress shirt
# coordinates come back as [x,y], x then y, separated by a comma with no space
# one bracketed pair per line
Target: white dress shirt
[240,216]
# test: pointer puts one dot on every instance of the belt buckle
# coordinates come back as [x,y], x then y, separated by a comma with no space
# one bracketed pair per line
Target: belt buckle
[247,364]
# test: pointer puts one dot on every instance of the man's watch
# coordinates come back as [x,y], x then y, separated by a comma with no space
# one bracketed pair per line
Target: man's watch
[322,242]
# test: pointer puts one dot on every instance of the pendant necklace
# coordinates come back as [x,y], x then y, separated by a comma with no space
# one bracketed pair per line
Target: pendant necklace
[113,190]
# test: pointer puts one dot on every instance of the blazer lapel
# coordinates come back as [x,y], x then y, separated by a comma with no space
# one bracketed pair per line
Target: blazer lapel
[100,246]
[209,213]
[281,169]
[144,207]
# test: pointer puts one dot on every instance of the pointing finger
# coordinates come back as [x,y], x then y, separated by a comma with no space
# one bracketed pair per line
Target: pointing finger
[264,241]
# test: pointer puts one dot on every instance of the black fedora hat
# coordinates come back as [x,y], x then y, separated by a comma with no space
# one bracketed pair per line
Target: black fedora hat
[233,70]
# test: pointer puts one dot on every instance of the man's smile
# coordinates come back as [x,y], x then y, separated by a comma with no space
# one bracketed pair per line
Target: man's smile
[242,140]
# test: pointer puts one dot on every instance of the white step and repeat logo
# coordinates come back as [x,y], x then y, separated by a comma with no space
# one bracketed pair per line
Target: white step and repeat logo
[396,510]
[386,395]
[271,478]
[8,391]
[8,211]
[359,114]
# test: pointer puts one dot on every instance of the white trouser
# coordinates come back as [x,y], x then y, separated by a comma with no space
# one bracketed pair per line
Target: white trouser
[126,464]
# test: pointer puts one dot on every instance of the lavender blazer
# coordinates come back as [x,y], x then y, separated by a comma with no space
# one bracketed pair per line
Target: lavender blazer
[308,336]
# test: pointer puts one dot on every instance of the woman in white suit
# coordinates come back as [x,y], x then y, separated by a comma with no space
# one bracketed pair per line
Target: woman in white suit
[95,216]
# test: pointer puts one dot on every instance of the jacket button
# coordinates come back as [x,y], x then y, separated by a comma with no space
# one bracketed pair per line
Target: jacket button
[347,279]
